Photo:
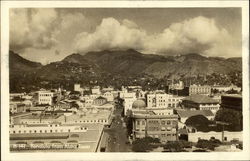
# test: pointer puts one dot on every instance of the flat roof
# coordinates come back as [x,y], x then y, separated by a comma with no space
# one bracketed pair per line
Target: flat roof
[155,116]
[189,113]
[232,95]
[200,99]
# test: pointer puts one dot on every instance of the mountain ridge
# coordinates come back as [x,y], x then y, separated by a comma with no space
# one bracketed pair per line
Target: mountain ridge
[132,62]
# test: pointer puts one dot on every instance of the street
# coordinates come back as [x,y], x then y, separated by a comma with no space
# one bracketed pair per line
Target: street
[117,134]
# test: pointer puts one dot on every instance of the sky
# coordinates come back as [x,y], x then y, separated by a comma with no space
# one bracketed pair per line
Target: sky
[50,34]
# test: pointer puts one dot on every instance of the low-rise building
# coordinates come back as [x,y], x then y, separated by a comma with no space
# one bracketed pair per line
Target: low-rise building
[156,123]
[163,100]
[201,102]
[96,90]
[226,88]
[185,114]
[222,136]
[109,96]
[198,89]
[128,102]
[99,101]
[146,123]
[45,97]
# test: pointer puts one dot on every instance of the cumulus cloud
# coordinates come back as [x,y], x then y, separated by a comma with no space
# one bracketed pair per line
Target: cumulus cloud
[43,29]
[111,34]
[199,34]
[32,28]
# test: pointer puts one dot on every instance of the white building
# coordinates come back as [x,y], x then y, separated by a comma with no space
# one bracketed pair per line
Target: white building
[129,99]
[45,97]
[197,89]
[178,86]
[45,128]
[108,89]
[162,100]
[227,88]
[201,102]
[96,90]
[125,94]
[77,87]
[109,96]
[228,136]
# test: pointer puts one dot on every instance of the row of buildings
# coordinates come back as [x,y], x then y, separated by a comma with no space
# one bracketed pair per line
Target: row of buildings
[161,115]
[59,119]
[181,90]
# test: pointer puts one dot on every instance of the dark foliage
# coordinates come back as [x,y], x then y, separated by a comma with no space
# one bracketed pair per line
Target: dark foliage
[144,144]
[232,118]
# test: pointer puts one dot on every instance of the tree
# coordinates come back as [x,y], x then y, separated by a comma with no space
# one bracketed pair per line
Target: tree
[233,118]
[140,146]
[129,122]
[200,122]
[177,146]
[173,146]
[144,144]
[208,144]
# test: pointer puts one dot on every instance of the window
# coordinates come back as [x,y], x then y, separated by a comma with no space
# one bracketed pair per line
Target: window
[138,122]
[41,131]
[168,122]
[14,132]
[35,131]
[51,131]
[225,138]
[163,122]
[69,130]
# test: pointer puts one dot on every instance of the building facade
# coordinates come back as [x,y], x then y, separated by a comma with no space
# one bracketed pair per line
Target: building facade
[45,97]
[197,89]
[163,100]
[163,127]
[200,102]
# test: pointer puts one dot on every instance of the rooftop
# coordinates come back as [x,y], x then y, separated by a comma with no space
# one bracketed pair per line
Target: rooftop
[200,99]
[189,113]
[232,95]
